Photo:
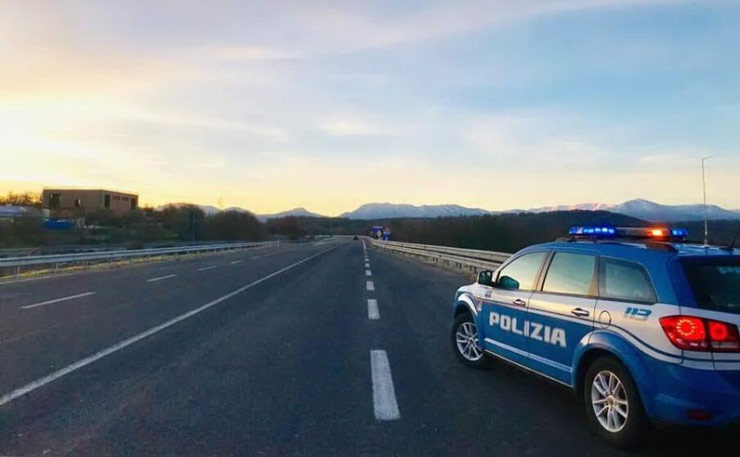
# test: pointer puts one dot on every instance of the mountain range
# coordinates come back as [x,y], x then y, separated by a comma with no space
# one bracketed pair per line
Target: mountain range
[639,208]
[211,210]
[390,210]
[651,211]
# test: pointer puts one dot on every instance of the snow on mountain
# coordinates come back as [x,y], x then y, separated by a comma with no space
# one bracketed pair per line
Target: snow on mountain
[577,207]
[299,212]
[392,210]
[651,211]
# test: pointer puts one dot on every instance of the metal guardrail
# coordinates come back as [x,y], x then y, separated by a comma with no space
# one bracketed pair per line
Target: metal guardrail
[17,263]
[471,259]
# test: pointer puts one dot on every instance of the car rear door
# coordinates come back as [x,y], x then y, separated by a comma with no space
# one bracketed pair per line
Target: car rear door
[504,306]
[561,313]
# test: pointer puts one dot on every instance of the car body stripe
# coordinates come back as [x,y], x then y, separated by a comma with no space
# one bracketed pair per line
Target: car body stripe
[534,357]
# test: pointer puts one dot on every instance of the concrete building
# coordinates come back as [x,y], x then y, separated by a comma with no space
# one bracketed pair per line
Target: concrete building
[67,202]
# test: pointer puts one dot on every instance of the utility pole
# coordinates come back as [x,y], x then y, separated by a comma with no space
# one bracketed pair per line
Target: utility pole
[704,189]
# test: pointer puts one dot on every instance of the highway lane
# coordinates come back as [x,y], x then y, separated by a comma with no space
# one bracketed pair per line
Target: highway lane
[38,340]
[295,365]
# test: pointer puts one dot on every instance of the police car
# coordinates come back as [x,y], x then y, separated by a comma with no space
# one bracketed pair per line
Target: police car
[642,325]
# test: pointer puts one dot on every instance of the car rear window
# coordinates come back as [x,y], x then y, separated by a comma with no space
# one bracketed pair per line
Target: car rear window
[715,282]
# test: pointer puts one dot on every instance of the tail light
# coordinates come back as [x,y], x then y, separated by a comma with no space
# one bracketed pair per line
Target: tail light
[697,334]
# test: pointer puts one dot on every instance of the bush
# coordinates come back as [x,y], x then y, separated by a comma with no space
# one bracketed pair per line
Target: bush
[234,225]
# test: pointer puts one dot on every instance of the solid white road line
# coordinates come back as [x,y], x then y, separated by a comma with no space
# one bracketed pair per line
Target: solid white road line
[30,387]
[370,285]
[207,268]
[384,395]
[44,303]
[161,278]
[368,273]
[367,265]
[373,313]
[234,262]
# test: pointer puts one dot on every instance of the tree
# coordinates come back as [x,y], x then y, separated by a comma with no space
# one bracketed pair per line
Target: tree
[22,199]
[234,225]
[289,226]
[187,221]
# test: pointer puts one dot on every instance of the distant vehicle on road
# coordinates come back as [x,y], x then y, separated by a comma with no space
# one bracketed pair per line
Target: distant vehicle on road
[355,238]
[641,325]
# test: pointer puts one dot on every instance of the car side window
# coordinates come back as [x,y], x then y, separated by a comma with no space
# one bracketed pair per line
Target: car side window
[521,273]
[571,274]
[624,280]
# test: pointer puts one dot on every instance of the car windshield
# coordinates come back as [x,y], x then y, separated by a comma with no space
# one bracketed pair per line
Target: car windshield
[715,282]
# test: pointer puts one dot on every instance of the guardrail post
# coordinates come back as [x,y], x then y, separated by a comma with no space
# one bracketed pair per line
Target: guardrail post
[56,267]
[17,270]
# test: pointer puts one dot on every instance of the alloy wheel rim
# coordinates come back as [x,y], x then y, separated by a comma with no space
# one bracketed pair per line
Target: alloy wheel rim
[466,339]
[609,401]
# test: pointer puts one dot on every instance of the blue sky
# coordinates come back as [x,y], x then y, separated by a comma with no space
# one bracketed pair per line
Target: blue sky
[328,105]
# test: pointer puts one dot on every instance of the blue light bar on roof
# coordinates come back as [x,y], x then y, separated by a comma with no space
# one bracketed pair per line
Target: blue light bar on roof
[679,233]
[594,230]
[606,231]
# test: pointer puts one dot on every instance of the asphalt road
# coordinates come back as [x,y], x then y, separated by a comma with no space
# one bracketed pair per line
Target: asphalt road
[285,351]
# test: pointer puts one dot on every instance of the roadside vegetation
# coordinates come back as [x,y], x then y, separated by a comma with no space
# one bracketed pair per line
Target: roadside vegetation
[190,224]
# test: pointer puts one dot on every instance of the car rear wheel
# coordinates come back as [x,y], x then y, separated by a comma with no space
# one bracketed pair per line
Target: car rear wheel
[465,342]
[613,404]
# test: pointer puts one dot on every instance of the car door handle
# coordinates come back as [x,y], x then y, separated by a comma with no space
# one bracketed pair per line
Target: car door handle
[519,302]
[580,312]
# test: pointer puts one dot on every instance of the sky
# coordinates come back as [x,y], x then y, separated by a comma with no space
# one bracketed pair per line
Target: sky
[328,105]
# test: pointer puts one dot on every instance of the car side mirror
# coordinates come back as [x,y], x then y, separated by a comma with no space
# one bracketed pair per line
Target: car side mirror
[507,282]
[485,278]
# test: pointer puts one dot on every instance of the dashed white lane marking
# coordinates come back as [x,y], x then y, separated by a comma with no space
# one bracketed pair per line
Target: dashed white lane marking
[234,262]
[369,285]
[368,273]
[161,278]
[207,268]
[57,300]
[384,395]
[367,265]
[30,387]
[257,257]
[373,313]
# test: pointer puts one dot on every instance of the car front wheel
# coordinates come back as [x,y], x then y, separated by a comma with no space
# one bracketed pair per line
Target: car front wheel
[465,342]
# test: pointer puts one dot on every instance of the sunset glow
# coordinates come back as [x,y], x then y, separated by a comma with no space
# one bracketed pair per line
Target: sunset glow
[497,105]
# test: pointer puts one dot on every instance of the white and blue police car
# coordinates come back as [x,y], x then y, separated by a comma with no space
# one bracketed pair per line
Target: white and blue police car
[642,325]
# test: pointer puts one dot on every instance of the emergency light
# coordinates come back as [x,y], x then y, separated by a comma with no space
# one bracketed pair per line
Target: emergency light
[598,231]
[646,233]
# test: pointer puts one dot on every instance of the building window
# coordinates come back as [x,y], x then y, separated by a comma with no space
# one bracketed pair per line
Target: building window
[106,201]
[55,201]
[133,203]
[78,203]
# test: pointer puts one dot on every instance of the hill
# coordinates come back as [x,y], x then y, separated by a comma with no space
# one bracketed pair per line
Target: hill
[392,210]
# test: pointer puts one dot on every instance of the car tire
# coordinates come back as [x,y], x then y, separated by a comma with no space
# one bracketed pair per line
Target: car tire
[465,343]
[609,388]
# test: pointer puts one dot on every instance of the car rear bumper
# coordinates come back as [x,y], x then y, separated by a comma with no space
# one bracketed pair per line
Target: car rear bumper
[688,396]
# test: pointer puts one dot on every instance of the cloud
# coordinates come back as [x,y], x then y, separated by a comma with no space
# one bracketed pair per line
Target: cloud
[244,52]
[347,126]
[534,140]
